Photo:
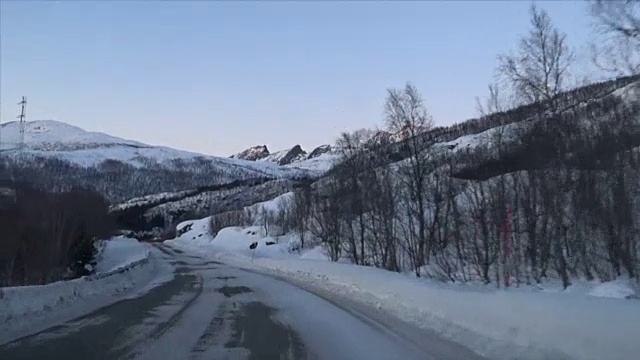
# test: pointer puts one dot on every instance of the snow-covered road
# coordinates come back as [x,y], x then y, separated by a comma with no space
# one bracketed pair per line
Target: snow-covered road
[214,311]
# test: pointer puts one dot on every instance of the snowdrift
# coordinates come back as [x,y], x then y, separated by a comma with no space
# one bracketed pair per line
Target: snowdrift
[233,241]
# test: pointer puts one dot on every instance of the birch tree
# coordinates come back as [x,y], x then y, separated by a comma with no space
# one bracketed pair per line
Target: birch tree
[617,28]
[540,68]
[405,112]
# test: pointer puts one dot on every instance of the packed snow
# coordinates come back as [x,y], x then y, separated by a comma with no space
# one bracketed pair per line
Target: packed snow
[125,267]
[521,322]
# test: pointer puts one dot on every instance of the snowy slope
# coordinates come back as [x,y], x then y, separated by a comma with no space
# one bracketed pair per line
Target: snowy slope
[50,135]
[629,94]
[271,205]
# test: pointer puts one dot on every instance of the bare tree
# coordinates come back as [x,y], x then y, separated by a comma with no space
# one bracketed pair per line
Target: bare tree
[381,195]
[326,220]
[617,27]
[301,212]
[405,111]
[620,17]
[502,190]
[353,166]
[539,70]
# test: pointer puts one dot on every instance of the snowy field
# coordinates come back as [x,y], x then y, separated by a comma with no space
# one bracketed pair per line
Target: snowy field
[125,267]
[586,321]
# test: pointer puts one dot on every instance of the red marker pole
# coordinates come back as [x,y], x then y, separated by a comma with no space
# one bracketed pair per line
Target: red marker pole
[507,246]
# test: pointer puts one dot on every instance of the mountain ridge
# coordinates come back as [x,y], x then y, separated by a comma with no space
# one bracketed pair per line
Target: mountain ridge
[297,153]
[286,156]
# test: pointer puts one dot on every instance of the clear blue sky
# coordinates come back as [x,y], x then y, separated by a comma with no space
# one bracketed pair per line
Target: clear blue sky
[218,77]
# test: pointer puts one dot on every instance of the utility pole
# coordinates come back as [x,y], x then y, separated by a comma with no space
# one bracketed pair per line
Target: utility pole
[22,117]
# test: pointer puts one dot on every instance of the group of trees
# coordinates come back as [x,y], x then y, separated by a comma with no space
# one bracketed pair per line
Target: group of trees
[571,210]
[47,237]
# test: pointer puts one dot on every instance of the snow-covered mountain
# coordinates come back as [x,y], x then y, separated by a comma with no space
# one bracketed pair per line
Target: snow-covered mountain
[58,155]
[55,139]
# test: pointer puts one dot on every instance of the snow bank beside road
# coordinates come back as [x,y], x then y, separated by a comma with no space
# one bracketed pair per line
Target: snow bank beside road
[120,253]
[497,324]
[233,240]
[618,289]
[500,324]
[123,265]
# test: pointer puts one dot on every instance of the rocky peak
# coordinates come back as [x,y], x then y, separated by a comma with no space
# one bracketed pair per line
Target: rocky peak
[294,154]
[253,153]
[322,149]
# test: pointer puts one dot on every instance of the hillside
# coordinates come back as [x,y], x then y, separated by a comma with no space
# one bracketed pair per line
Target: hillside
[465,151]
[525,139]
[524,196]
[156,215]
[545,205]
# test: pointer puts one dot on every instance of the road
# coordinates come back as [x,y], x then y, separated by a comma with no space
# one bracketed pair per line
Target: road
[214,311]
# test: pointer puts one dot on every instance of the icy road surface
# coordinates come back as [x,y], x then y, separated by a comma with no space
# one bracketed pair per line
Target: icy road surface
[214,311]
